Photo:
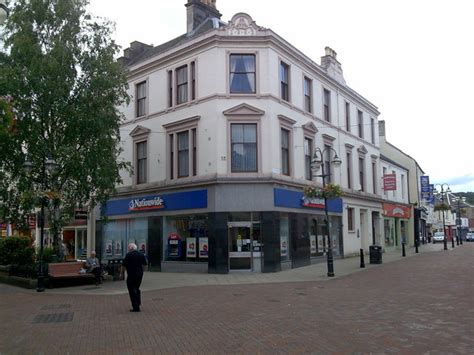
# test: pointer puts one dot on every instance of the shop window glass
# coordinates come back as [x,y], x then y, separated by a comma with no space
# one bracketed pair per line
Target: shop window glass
[284,238]
[114,240]
[185,238]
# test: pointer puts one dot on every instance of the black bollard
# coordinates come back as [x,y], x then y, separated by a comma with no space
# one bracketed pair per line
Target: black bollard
[416,246]
[362,263]
[403,250]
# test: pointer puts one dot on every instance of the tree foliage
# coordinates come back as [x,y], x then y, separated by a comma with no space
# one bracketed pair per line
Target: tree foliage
[58,67]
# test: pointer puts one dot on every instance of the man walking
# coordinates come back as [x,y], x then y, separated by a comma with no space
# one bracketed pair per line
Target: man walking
[133,263]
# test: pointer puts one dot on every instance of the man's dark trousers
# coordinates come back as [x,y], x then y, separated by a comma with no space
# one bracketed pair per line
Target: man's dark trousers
[133,285]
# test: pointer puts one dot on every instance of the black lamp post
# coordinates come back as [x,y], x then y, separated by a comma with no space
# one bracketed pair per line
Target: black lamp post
[318,161]
[47,166]
[458,220]
[443,193]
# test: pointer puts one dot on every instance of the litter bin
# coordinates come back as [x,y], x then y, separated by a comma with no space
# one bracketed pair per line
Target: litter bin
[375,252]
[113,268]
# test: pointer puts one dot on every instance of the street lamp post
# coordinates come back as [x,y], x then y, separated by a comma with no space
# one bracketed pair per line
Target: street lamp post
[318,161]
[458,220]
[443,192]
[46,166]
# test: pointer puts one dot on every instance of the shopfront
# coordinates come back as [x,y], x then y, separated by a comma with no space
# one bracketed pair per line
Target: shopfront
[395,224]
[259,229]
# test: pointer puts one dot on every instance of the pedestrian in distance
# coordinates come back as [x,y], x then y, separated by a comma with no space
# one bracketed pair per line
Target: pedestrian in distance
[133,263]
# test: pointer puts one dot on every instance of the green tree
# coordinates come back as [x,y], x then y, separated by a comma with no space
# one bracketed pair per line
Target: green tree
[58,67]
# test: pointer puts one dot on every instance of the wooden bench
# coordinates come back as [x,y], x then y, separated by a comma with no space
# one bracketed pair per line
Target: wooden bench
[68,270]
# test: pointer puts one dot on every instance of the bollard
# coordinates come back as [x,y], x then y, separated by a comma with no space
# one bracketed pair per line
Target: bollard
[416,246]
[403,250]
[362,263]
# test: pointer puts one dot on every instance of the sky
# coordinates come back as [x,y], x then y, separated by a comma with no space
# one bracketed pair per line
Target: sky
[413,59]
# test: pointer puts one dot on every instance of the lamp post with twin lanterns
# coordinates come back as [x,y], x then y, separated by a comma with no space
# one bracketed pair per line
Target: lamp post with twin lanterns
[318,162]
[458,219]
[443,194]
[41,183]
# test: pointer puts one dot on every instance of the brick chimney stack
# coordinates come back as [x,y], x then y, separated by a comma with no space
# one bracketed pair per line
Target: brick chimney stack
[198,11]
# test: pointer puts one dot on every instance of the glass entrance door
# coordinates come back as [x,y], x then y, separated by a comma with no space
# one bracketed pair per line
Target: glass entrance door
[245,247]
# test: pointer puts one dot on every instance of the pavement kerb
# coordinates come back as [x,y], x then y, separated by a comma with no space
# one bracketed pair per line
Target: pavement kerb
[315,272]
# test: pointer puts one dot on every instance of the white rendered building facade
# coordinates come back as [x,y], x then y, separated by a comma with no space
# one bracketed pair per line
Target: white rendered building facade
[221,131]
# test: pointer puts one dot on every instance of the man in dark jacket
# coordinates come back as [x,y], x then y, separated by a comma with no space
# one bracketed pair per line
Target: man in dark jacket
[133,263]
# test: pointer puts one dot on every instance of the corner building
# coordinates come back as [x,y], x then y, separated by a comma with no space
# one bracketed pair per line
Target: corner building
[220,132]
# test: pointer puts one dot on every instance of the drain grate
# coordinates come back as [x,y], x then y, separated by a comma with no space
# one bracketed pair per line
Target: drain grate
[55,306]
[272,300]
[301,293]
[53,318]
[237,294]
[157,299]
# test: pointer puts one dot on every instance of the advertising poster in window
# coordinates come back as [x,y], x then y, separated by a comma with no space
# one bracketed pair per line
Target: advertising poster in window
[191,247]
[283,246]
[312,239]
[174,245]
[118,247]
[321,243]
[203,247]
[108,248]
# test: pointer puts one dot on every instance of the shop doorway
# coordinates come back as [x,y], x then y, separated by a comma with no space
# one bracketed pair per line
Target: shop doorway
[245,246]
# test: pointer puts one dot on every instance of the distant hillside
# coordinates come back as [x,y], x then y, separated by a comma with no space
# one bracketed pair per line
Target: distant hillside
[468,195]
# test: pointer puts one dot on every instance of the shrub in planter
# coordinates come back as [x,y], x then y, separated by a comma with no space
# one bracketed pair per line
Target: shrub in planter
[16,250]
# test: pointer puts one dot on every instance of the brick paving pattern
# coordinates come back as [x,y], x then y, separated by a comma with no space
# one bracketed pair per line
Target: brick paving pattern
[417,305]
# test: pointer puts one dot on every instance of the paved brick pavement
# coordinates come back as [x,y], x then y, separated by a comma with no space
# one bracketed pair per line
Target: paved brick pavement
[417,305]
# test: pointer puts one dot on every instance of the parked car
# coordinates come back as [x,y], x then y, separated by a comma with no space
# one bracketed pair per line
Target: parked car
[438,237]
[470,237]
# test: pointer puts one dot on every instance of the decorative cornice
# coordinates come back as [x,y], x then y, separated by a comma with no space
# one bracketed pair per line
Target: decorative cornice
[310,127]
[183,122]
[286,120]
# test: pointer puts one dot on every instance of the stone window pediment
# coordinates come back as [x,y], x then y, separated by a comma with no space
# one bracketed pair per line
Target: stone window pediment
[244,110]
[310,128]
[140,131]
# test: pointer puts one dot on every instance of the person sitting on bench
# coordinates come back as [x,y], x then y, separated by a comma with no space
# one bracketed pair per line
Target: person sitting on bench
[93,267]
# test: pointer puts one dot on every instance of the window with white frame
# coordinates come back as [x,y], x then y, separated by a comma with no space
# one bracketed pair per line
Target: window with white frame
[348,117]
[285,151]
[327,105]
[140,102]
[141,162]
[360,123]
[182,148]
[308,149]
[308,94]
[182,84]
[285,81]
[362,173]
[242,73]
[349,169]
[402,178]
[350,219]
[243,147]
[327,163]
[183,154]
[374,177]
[372,130]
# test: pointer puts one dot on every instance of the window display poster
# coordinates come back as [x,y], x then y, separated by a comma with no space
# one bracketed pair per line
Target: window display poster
[284,246]
[142,246]
[312,239]
[108,247]
[191,247]
[203,247]
[118,247]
